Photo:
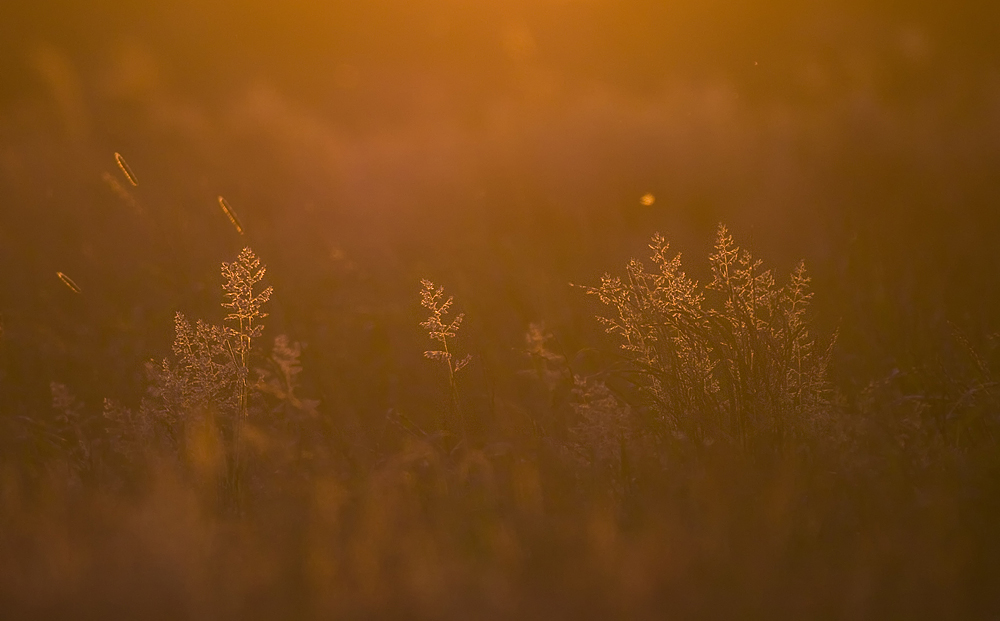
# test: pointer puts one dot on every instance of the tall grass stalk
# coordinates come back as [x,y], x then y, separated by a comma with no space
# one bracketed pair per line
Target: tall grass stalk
[245,325]
[432,298]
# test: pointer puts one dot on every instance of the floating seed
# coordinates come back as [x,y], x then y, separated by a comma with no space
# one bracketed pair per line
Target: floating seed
[231,215]
[69,282]
[126,169]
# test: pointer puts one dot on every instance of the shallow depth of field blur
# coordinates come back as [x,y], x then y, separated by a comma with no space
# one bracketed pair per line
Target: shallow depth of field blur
[513,153]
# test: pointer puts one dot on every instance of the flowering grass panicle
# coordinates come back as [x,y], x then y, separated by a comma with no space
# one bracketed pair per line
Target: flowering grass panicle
[432,298]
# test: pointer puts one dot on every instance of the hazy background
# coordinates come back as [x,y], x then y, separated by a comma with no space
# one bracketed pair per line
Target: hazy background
[498,148]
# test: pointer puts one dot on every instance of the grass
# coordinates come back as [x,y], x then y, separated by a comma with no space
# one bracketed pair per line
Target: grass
[739,366]
[705,467]
[432,298]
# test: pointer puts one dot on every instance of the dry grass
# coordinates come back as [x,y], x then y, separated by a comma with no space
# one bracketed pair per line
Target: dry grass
[731,362]
[710,471]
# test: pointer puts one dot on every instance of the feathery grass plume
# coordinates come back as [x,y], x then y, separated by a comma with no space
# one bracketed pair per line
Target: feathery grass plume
[206,389]
[75,288]
[244,318]
[432,298]
[126,169]
[766,349]
[659,318]
[745,370]
[279,379]
[201,380]
[185,395]
[228,210]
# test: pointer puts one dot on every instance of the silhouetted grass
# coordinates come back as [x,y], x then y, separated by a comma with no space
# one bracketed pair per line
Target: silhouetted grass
[707,469]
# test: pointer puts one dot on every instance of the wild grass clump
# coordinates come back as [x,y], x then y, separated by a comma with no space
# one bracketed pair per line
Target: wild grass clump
[732,362]
[198,403]
[208,386]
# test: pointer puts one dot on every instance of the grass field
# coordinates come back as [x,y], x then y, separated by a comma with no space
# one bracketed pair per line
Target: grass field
[573,310]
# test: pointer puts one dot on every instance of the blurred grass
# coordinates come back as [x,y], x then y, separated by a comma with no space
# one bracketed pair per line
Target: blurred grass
[422,537]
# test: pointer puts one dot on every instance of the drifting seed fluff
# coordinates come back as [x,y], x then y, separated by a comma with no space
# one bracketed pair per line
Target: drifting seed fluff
[230,214]
[126,169]
[69,282]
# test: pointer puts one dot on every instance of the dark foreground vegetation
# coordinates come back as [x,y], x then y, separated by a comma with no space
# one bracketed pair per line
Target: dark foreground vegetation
[708,468]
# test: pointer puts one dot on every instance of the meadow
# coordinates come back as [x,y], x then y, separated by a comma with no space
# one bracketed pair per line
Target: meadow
[453,316]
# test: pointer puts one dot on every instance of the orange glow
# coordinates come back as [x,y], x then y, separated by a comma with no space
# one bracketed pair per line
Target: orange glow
[794,415]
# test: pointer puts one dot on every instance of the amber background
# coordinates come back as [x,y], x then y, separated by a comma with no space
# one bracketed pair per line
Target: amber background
[498,147]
